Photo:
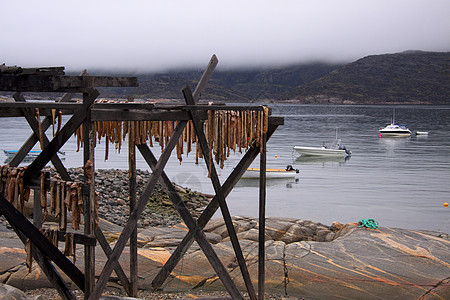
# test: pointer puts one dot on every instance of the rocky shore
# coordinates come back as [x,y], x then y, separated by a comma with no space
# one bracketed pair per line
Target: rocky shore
[304,259]
[113,201]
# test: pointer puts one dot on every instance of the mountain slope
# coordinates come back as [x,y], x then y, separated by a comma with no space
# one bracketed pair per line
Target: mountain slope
[407,77]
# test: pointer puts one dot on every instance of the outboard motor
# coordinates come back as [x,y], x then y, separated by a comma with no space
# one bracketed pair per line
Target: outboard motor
[290,168]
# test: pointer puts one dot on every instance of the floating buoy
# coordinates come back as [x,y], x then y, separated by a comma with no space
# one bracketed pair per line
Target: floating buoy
[445,204]
[381,135]
[276,156]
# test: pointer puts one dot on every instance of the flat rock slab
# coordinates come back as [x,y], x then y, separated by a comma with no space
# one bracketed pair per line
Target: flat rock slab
[360,263]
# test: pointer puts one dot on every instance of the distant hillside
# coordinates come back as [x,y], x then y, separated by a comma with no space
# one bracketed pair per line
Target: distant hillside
[407,77]
[411,77]
[238,85]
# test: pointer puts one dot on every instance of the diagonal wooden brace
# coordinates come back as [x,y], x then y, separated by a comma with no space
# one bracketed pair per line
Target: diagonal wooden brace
[198,233]
[136,212]
[29,116]
[59,139]
[219,193]
[33,139]
[18,220]
[209,212]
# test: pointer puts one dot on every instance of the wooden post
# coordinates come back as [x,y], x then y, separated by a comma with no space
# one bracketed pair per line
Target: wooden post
[37,210]
[132,192]
[89,199]
[262,218]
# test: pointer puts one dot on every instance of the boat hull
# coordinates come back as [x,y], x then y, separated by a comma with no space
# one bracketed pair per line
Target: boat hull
[253,173]
[314,151]
[32,153]
[394,133]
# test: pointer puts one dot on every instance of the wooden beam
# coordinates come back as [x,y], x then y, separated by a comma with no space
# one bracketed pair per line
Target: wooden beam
[89,197]
[201,86]
[15,218]
[75,84]
[132,194]
[262,218]
[31,71]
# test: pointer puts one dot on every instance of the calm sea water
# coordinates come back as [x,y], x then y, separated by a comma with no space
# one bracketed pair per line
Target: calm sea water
[399,182]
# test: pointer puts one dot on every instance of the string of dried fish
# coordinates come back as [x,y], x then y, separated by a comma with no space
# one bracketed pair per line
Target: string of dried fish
[224,130]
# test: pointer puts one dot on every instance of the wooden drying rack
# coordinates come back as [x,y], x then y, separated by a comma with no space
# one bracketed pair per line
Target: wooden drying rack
[86,113]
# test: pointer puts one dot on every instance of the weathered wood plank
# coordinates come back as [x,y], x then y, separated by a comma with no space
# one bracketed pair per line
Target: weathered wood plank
[15,218]
[136,115]
[31,71]
[89,198]
[132,194]
[201,86]
[262,218]
[76,84]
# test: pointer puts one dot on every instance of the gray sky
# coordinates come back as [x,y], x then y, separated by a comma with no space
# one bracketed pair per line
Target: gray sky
[160,35]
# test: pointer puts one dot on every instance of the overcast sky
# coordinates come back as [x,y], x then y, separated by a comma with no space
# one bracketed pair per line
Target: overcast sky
[160,35]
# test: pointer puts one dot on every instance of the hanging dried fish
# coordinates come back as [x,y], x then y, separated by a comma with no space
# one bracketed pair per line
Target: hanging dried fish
[161,135]
[28,251]
[106,147]
[12,185]
[59,121]
[68,197]
[41,134]
[58,199]
[21,190]
[119,135]
[88,169]
[52,195]
[150,130]
[63,210]
[266,119]
[70,246]
[75,208]
[53,110]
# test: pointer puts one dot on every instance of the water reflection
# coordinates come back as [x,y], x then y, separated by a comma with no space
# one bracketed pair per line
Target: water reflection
[273,182]
[321,159]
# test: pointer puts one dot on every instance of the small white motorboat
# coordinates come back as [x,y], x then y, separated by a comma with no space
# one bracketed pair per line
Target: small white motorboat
[394,130]
[30,154]
[335,149]
[288,172]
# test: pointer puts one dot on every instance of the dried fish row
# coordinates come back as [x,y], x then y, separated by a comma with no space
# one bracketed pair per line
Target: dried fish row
[225,130]
[11,185]
[65,196]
